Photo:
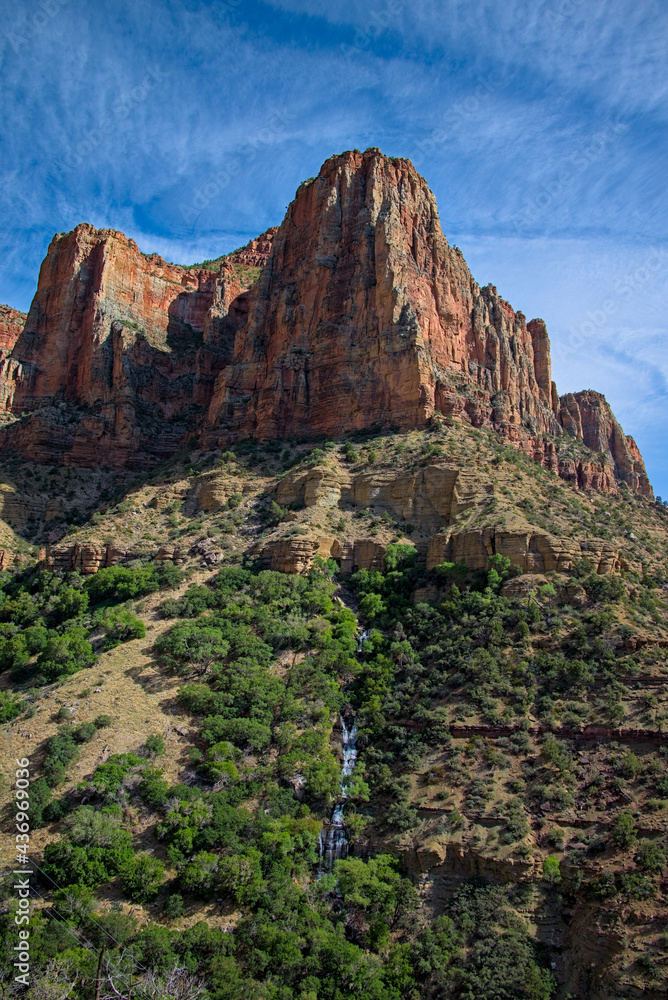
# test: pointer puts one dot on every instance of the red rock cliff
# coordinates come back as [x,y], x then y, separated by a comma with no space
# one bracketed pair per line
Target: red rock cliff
[11,325]
[119,350]
[362,314]
[365,315]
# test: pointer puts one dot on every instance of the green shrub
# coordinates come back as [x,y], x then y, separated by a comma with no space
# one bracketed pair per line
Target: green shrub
[142,877]
[199,875]
[636,885]
[551,871]
[10,706]
[650,856]
[153,788]
[174,907]
[631,766]
[40,796]
[154,745]
[119,626]
[84,732]
[61,749]
[65,654]
[108,778]
[608,589]
[623,830]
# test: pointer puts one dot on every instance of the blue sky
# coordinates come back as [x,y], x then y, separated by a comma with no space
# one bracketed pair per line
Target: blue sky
[542,128]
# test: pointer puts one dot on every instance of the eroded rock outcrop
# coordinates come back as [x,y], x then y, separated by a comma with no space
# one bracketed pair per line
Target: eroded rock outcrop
[428,497]
[86,558]
[354,312]
[119,351]
[587,417]
[11,325]
[213,491]
[531,550]
[295,553]
[256,253]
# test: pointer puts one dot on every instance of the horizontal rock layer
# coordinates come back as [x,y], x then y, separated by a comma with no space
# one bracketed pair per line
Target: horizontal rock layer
[531,552]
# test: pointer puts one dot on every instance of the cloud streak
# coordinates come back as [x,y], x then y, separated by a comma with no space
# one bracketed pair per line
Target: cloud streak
[503,107]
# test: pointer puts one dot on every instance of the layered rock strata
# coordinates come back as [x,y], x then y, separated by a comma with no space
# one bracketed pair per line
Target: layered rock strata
[362,315]
[119,351]
[11,325]
[531,551]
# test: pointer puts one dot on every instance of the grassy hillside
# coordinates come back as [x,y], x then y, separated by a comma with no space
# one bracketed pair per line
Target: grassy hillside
[507,815]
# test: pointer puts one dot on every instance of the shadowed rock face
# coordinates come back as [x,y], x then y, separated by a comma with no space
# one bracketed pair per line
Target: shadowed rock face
[119,351]
[362,314]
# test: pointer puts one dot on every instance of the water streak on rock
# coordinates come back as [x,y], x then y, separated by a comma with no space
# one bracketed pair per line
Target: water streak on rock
[333,837]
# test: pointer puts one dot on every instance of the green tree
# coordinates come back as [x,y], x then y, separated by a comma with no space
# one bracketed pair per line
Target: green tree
[191,646]
[650,856]
[551,871]
[375,887]
[200,874]
[65,654]
[371,606]
[240,875]
[142,876]
[623,830]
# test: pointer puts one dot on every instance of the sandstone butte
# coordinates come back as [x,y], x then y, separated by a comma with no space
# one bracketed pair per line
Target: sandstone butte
[354,312]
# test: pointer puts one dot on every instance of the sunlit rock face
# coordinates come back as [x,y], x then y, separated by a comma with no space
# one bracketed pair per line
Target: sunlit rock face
[355,312]
[364,314]
[120,350]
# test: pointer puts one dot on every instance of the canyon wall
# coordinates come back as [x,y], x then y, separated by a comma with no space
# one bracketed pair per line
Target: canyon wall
[354,313]
[365,315]
[119,351]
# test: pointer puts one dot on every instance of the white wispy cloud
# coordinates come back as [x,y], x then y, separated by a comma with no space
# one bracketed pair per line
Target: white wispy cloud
[541,127]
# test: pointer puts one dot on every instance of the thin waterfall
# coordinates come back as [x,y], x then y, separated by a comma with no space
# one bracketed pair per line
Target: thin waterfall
[364,636]
[333,837]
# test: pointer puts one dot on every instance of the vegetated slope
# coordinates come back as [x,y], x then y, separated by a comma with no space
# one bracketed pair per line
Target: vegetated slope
[508,813]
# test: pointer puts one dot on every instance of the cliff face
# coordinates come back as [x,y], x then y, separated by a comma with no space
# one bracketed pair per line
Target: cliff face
[11,324]
[365,315]
[359,313]
[119,351]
